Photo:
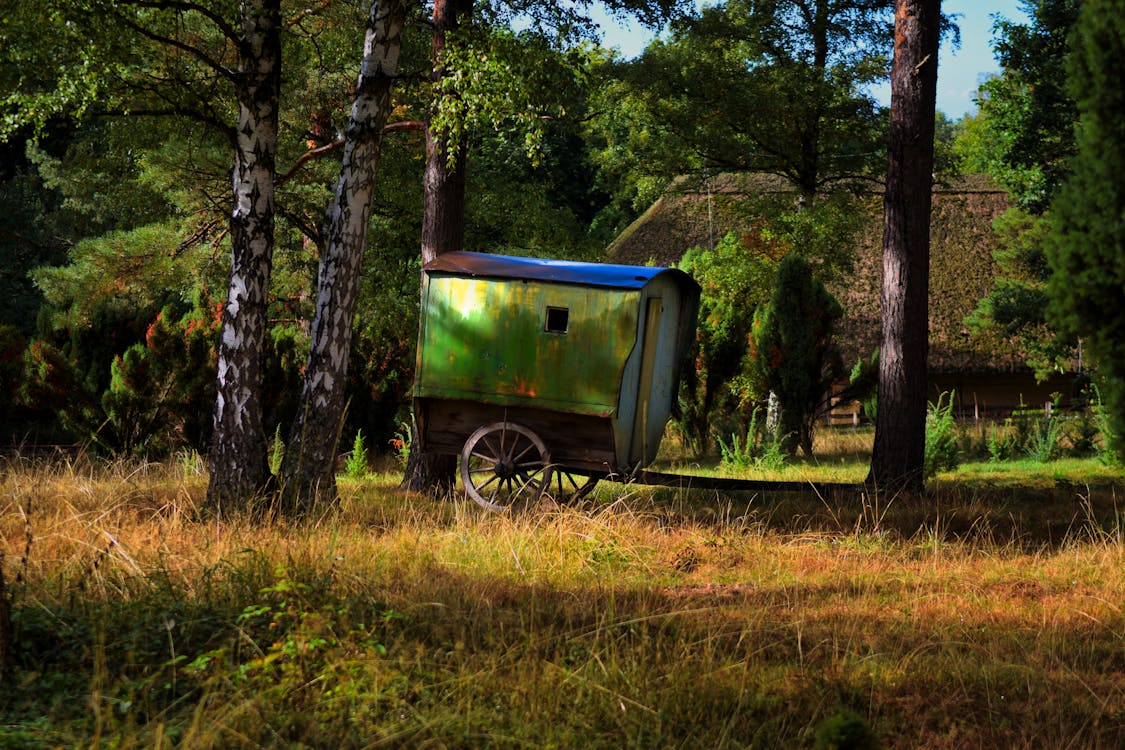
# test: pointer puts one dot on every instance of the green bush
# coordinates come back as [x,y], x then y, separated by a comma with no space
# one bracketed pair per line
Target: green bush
[759,449]
[357,466]
[942,450]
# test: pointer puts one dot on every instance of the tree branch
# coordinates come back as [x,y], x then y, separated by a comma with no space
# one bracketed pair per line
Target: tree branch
[394,127]
[302,15]
[228,31]
[198,54]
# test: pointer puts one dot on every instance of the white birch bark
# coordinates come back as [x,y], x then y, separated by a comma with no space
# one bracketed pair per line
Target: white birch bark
[309,468]
[238,446]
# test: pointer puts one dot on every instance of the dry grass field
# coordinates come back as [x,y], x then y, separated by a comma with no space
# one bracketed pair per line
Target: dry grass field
[987,614]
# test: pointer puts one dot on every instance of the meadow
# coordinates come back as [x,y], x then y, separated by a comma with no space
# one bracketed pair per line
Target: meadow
[988,613]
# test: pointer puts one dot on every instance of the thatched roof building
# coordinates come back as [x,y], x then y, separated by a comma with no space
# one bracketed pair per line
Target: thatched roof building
[985,369]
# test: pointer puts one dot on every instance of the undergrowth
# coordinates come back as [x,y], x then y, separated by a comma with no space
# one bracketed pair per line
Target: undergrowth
[642,617]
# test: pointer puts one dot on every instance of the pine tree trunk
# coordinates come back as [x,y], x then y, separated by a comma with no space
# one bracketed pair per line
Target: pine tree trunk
[900,426]
[443,231]
[238,448]
[309,469]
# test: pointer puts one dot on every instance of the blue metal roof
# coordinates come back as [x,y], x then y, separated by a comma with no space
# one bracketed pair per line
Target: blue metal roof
[545,269]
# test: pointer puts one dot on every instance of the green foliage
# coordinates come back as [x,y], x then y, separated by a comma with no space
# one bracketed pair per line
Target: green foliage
[1045,441]
[401,443]
[158,393]
[942,450]
[358,466]
[721,385]
[738,277]
[277,452]
[1003,442]
[1027,112]
[1086,250]
[759,449]
[52,381]
[748,86]
[1107,427]
[1017,304]
[863,385]
[313,659]
[845,730]
[794,349]
[30,235]
[499,80]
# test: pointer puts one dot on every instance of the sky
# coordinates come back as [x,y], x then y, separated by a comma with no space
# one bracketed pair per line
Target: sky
[960,71]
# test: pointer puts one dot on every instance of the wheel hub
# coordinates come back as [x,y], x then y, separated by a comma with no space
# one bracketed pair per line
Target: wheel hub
[505,468]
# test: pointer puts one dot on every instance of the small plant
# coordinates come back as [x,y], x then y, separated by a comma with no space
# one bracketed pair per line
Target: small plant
[772,452]
[1044,441]
[1105,428]
[1001,442]
[190,463]
[400,444]
[277,452]
[357,466]
[845,730]
[1085,432]
[759,449]
[739,454]
[942,452]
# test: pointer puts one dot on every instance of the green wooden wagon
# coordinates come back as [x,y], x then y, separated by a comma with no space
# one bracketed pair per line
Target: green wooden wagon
[545,375]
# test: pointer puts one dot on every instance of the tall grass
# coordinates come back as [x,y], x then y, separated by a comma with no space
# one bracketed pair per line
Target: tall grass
[641,618]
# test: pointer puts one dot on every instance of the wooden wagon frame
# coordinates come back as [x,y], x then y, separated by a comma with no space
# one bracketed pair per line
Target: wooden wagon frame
[545,375]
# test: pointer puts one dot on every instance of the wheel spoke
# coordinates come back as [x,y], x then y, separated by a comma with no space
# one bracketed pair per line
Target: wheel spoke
[488,481]
[495,455]
[530,447]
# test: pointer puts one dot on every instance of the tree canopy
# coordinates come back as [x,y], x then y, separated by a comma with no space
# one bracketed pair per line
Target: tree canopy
[776,87]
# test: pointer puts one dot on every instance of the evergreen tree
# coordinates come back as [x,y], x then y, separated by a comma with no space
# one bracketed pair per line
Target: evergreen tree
[794,349]
[1086,250]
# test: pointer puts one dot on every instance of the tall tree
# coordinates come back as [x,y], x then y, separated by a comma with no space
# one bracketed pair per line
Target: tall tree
[1027,112]
[795,350]
[83,57]
[443,223]
[238,461]
[900,428]
[776,87]
[309,469]
[1023,136]
[1086,249]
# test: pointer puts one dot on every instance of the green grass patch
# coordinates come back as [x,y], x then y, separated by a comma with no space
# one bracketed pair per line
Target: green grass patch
[643,617]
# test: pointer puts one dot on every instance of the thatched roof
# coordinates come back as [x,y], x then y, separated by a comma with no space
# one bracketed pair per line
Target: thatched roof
[961,264]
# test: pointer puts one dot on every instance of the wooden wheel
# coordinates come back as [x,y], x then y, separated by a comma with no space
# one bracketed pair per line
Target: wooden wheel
[569,487]
[505,465]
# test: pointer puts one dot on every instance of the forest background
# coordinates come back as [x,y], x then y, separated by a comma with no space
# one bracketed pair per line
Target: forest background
[985,611]
[115,243]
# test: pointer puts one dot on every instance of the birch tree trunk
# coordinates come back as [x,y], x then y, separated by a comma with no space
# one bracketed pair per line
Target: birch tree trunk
[238,468]
[898,456]
[443,231]
[309,467]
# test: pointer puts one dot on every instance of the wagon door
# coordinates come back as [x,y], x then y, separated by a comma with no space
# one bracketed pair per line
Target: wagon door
[640,444]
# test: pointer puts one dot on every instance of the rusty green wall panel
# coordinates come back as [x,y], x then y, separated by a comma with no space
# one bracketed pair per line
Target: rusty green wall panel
[486,340]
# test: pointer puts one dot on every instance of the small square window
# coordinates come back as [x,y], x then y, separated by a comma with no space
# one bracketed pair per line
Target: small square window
[558,319]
